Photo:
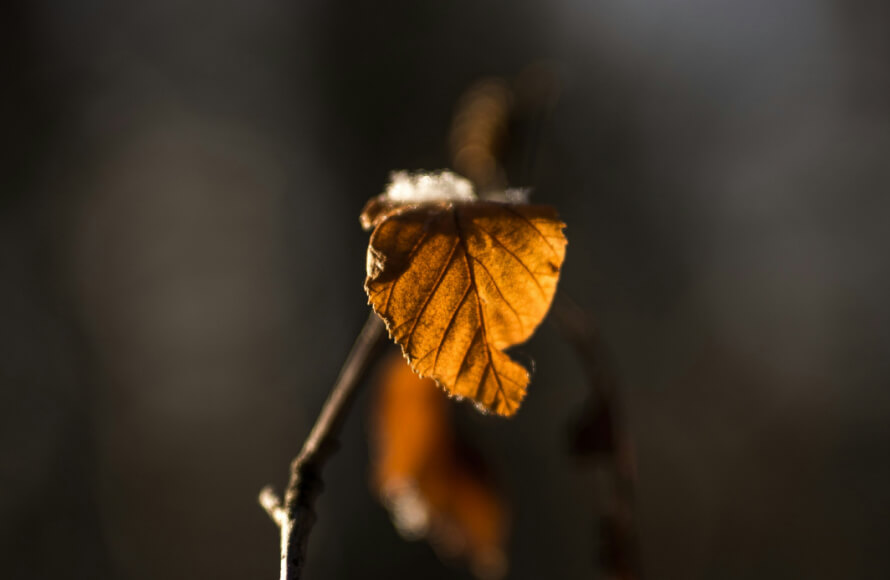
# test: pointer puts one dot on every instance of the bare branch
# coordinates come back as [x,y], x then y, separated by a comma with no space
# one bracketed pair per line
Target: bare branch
[295,516]
[601,434]
[478,128]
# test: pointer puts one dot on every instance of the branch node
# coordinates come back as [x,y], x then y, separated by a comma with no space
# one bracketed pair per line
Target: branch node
[295,515]
[272,504]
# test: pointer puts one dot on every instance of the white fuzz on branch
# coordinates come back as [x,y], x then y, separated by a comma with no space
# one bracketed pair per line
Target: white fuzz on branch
[405,187]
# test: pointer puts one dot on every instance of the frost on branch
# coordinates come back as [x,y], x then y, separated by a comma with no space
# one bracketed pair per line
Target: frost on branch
[410,189]
[406,187]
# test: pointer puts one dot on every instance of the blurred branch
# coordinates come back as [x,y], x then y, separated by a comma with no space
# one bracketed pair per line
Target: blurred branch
[295,516]
[537,89]
[488,112]
[478,132]
[601,434]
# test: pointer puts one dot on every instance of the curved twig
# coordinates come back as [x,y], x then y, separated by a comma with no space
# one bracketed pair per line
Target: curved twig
[601,433]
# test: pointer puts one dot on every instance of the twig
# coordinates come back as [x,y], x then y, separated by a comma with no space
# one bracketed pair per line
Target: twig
[601,433]
[295,516]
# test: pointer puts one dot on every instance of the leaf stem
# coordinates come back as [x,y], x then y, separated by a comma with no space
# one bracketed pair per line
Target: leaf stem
[295,516]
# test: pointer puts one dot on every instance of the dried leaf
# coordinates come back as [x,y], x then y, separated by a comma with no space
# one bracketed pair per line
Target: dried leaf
[459,281]
[428,482]
[411,427]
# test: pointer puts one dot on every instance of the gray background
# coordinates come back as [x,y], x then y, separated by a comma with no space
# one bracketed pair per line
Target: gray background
[181,269]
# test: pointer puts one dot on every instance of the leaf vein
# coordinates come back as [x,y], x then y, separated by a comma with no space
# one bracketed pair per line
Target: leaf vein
[515,257]
[535,228]
[432,292]
[463,360]
[501,294]
[481,311]
[417,245]
[451,323]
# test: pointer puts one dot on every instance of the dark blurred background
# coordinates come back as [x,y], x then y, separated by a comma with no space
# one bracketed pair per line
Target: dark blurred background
[181,272]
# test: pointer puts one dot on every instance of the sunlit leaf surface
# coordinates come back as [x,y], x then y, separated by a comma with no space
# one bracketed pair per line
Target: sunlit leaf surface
[457,282]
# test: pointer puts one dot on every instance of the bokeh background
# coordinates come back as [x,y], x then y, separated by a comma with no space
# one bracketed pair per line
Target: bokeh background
[181,273]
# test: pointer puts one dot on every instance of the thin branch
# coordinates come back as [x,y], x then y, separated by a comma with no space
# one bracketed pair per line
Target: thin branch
[579,329]
[538,87]
[295,516]
[602,434]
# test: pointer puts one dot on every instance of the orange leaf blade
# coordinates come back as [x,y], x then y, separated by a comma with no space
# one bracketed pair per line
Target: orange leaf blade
[456,283]
[434,486]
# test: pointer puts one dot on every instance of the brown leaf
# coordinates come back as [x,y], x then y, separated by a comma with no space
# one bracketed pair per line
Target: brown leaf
[411,426]
[428,482]
[457,282]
